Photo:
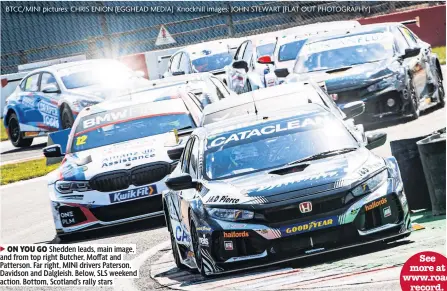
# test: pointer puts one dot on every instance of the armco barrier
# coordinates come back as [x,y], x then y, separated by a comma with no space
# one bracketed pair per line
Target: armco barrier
[432,25]
[432,153]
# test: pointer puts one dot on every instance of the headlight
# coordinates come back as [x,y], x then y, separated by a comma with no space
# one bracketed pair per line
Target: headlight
[230,214]
[382,84]
[371,184]
[65,187]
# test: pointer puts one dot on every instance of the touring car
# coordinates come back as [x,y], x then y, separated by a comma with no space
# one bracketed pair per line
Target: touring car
[289,45]
[116,158]
[385,65]
[49,99]
[263,189]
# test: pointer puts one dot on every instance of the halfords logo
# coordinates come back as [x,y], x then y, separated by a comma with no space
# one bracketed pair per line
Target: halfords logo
[305,207]
[309,226]
[376,204]
[235,234]
[132,194]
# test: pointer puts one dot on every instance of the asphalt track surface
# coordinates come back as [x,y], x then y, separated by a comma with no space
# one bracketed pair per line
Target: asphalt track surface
[26,218]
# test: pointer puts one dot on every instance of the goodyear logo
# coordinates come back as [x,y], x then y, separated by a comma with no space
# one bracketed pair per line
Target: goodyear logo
[376,204]
[309,226]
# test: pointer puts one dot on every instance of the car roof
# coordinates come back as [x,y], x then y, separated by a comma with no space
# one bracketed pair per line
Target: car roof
[251,120]
[57,67]
[218,46]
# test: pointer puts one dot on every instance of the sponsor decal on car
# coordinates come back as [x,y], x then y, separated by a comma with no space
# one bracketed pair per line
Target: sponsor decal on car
[74,197]
[128,157]
[309,226]
[287,125]
[235,234]
[387,211]
[376,204]
[204,229]
[203,241]
[132,194]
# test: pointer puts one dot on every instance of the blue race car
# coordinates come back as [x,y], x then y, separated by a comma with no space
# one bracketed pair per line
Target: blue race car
[50,98]
[384,65]
[264,189]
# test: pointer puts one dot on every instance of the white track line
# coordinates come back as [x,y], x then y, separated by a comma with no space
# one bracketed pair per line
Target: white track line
[126,284]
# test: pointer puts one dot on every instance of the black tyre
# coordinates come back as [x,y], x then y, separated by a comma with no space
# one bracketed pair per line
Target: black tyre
[66,117]
[196,247]
[441,91]
[414,101]
[175,249]
[15,135]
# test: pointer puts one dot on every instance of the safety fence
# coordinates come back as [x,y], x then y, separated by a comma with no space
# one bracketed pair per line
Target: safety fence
[36,31]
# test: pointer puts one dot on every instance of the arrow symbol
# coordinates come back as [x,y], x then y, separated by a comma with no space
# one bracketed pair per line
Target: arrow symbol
[2,249]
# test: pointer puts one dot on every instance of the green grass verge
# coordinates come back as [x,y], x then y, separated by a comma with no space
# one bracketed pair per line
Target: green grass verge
[3,134]
[23,171]
[440,51]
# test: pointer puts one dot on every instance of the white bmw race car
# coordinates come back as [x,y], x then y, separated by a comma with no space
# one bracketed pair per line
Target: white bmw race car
[115,163]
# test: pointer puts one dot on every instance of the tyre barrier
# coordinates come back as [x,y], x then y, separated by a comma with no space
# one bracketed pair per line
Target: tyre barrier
[432,151]
[407,155]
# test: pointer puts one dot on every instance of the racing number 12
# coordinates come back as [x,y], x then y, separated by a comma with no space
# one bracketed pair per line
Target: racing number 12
[81,140]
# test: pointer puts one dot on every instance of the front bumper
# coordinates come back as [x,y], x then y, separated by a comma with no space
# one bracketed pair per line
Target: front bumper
[377,104]
[83,211]
[234,246]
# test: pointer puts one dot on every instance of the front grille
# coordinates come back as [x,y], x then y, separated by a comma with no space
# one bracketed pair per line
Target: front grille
[292,212]
[137,176]
[349,96]
[128,209]
[147,174]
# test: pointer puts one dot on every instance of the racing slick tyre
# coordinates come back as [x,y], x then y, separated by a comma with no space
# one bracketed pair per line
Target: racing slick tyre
[67,118]
[175,250]
[15,135]
[196,246]
[414,102]
[441,92]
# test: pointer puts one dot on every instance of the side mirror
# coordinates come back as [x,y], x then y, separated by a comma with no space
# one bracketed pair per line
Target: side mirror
[175,154]
[182,182]
[240,65]
[53,151]
[353,109]
[282,73]
[51,88]
[178,73]
[265,60]
[375,139]
[411,52]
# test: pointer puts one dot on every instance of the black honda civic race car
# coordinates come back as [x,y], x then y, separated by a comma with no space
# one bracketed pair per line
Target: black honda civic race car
[384,65]
[263,189]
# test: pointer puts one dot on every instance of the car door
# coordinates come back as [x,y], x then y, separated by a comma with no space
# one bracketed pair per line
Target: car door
[48,105]
[185,64]
[28,104]
[416,65]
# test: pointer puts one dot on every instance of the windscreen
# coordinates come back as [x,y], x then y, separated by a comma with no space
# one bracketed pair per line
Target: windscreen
[289,51]
[265,49]
[89,75]
[273,144]
[344,52]
[212,62]
[128,123]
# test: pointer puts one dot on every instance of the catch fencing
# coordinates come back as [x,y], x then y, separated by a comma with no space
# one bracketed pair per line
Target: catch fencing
[47,30]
